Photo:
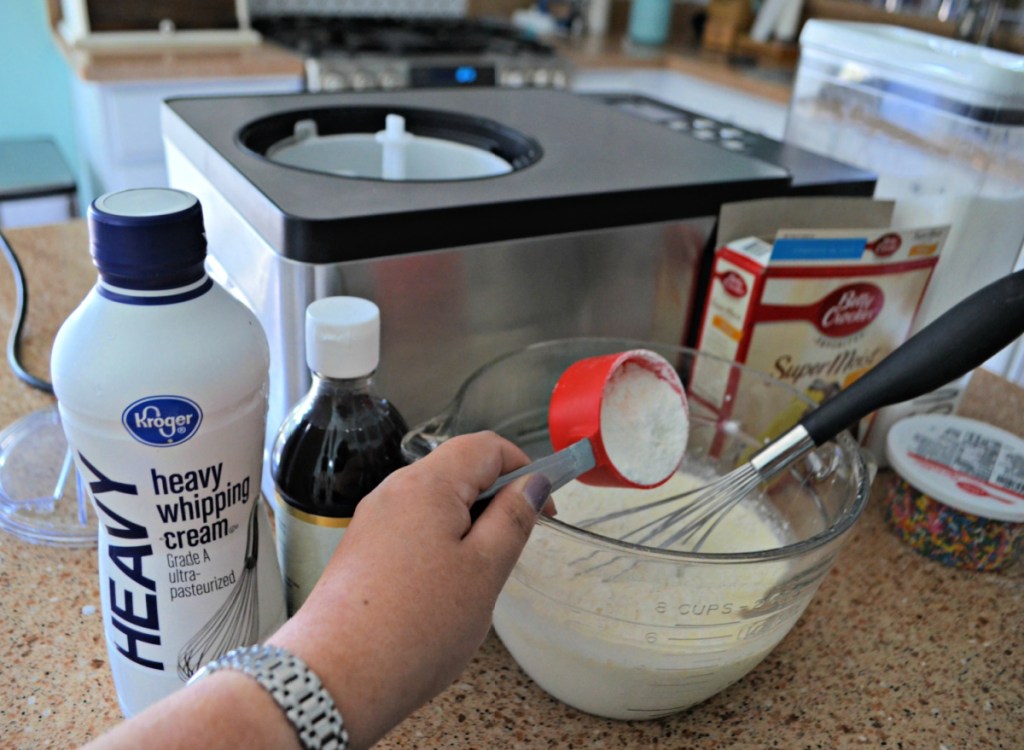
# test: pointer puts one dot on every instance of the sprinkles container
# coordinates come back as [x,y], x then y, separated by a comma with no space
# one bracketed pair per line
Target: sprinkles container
[959,494]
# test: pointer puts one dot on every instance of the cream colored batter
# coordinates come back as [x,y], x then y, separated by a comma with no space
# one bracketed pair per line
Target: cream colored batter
[640,636]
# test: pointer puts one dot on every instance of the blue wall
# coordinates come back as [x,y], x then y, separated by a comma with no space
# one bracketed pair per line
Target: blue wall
[35,87]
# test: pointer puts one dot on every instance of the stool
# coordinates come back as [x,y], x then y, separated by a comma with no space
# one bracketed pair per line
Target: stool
[36,185]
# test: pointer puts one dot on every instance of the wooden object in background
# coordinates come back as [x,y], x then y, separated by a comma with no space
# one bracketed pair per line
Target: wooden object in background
[855,10]
[781,53]
[727,21]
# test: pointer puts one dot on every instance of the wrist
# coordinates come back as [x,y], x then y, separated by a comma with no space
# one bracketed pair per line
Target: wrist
[294,687]
[352,659]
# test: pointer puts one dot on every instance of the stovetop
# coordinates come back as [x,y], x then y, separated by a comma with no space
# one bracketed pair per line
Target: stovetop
[317,36]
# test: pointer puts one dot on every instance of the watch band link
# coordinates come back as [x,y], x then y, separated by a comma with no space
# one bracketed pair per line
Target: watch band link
[294,687]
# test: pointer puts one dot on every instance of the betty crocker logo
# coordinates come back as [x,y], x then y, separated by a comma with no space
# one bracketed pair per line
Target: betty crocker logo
[734,284]
[886,245]
[849,309]
[843,311]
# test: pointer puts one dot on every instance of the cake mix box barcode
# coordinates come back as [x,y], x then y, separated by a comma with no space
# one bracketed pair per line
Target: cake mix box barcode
[814,308]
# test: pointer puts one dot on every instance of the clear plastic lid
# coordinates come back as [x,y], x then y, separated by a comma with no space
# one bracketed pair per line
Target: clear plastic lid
[966,464]
[947,68]
[40,500]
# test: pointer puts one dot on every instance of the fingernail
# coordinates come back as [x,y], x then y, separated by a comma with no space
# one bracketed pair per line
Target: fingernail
[537,490]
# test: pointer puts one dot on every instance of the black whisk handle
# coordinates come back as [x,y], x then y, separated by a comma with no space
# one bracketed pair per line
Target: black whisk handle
[956,342]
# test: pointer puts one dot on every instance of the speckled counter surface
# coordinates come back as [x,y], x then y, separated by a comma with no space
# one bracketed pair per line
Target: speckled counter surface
[895,651]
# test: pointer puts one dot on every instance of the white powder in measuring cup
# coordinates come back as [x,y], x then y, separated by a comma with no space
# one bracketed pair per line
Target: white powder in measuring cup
[629,637]
[644,424]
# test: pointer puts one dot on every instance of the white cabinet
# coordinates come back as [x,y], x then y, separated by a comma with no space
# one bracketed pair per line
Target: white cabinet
[118,125]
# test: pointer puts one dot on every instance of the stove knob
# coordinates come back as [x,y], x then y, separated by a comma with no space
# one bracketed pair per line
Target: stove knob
[541,77]
[332,82]
[559,79]
[362,80]
[513,78]
[390,79]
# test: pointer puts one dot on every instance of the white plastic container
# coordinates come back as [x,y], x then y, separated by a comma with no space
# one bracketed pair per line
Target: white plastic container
[941,122]
[958,495]
[929,115]
[161,380]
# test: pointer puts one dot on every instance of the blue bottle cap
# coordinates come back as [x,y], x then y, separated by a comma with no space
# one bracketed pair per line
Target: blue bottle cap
[147,238]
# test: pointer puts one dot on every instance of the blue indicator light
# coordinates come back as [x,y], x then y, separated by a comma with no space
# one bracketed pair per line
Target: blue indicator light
[465,74]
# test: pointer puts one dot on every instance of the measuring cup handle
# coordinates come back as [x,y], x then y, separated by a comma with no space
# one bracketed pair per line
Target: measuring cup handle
[559,468]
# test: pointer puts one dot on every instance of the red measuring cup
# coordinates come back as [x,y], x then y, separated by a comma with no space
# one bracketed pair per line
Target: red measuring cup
[574,426]
[578,402]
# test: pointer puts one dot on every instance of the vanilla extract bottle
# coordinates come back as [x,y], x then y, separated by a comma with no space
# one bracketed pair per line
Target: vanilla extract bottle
[338,443]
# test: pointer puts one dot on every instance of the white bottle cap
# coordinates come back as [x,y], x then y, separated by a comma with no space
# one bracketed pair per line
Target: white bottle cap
[342,337]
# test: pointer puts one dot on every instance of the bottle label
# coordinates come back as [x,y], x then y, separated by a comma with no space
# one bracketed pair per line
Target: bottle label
[186,559]
[164,420]
[305,543]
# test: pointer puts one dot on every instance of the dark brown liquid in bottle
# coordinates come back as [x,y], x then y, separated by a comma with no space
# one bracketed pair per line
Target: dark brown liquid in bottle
[345,444]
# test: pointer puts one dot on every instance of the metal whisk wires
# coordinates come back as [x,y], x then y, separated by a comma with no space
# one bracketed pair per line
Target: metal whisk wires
[695,514]
[236,622]
[689,515]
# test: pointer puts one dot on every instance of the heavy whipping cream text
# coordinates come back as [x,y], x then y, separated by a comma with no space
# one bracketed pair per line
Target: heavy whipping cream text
[137,617]
[175,547]
[204,513]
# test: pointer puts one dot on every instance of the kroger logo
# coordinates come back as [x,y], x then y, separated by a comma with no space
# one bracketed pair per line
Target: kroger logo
[162,420]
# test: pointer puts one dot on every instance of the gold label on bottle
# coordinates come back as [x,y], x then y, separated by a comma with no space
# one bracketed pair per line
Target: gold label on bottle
[305,543]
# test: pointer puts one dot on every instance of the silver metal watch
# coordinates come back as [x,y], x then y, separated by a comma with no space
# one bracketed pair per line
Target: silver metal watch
[294,687]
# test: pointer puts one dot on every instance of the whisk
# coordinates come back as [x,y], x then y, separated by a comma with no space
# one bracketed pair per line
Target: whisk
[236,621]
[963,338]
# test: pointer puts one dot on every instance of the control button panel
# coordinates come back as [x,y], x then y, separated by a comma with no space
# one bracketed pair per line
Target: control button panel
[699,126]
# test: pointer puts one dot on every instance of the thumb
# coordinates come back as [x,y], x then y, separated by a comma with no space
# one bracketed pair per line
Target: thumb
[503,529]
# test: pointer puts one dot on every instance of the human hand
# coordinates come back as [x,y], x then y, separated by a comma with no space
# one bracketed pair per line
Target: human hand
[408,595]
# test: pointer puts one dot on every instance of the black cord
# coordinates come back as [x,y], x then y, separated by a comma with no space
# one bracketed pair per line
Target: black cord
[20,307]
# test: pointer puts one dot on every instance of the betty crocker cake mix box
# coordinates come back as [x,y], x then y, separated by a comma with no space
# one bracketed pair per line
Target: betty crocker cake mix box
[814,308]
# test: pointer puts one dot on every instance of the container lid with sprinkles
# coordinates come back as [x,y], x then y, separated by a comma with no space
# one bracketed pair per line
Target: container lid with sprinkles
[968,465]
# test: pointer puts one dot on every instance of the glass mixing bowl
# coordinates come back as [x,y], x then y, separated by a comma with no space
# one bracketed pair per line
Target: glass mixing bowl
[633,632]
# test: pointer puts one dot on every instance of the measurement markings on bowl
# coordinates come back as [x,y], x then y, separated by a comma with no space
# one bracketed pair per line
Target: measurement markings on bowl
[723,637]
[690,672]
[702,609]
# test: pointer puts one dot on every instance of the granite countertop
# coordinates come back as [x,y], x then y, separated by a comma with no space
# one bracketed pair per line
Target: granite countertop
[120,65]
[895,651]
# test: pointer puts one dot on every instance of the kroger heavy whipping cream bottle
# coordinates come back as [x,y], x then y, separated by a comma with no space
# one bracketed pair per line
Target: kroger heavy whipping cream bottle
[161,380]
